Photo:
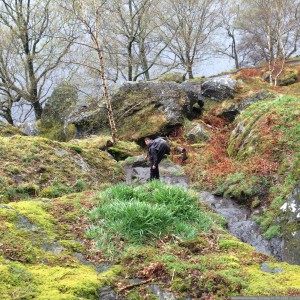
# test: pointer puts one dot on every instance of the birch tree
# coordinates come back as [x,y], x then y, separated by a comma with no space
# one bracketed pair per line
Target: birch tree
[136,27]
[271,32]
[89,15]
[33,29]
[192,23]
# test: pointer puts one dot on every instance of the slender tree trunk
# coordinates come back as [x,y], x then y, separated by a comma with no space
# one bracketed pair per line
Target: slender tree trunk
[130,61]
[8,117]
[234,52]
[144,61]
[189,68]
[107,98]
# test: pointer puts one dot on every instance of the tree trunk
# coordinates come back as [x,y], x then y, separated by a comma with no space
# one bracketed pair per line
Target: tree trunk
[8,117]
[144,61]
[107,98]
[38,109]
[130,60]
[189,69]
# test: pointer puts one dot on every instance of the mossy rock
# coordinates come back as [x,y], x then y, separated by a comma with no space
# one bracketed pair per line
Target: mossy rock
[58,168]
[175,77]
[140,109]
[196,245]
[29,269]
[56,111]
[7,130]
[288,77]
[122,150]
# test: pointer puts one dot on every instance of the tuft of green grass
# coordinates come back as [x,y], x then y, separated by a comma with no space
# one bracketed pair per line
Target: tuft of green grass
[128,215]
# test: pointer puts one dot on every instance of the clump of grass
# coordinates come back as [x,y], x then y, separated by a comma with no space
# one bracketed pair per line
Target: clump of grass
[128,215]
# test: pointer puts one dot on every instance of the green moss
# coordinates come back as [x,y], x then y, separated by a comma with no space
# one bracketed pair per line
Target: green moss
[176,77]
[179,285]
[33,166]
[234,244]
[289,77]
[65,283]
[261,283]
[7,130]
[35,213]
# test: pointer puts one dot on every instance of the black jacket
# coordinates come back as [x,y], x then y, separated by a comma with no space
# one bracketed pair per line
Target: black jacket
[157,149]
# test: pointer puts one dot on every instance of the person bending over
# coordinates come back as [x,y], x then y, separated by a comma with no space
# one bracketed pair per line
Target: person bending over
[156,150]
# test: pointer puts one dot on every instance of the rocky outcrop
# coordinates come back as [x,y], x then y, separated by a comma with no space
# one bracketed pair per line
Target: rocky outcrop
[140,109]
[7,130]
[218,88]
[230,109]
[56,111]
[291,227]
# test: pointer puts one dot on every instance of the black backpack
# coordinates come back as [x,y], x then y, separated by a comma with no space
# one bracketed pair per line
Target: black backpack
[162,148]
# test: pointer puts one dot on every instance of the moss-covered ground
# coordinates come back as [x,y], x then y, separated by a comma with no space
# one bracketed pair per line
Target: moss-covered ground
[45,254]
[34,166]
[50,248]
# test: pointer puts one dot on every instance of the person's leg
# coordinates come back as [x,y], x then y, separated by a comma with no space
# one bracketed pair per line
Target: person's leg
[157,172]
[154,173]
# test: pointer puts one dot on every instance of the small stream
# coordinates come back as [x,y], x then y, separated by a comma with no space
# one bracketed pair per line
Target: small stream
[240,223]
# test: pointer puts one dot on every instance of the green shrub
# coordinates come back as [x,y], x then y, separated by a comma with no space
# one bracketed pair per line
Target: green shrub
[57,189]
[23,191]
[81,186]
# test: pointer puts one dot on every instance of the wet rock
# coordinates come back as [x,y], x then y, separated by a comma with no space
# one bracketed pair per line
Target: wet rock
[99,267]
[242,226]
[6,207]
[81,163]
[52,246]
[107,293]
[291,227]
[140,109]
[57,109]
[61,152]
[169,173]
[140,161]
[24,224]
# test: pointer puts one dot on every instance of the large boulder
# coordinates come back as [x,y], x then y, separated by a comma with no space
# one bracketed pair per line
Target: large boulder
[57,109]
[35,166]
[218,88]
[140,109]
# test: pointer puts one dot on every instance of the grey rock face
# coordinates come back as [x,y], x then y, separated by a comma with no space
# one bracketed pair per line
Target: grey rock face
[173,101]
[291,221]
[162,295]
[242,226]
[219,88]
[231,110]
[107,293]
[254,98]
[265,267]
